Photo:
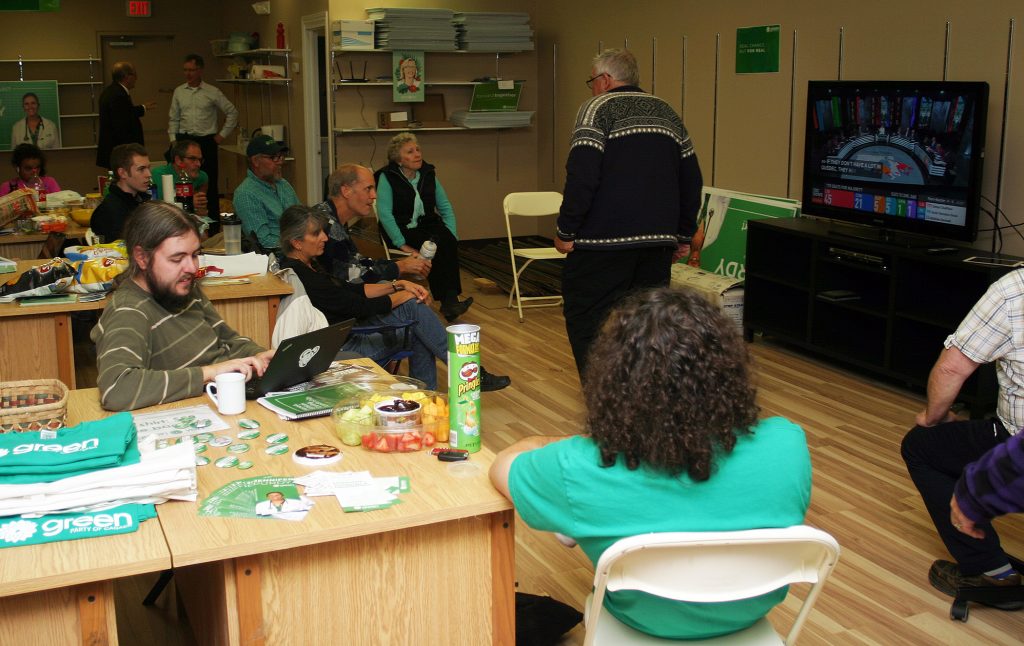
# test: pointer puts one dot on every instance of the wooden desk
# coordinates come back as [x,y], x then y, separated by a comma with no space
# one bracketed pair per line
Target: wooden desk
[36,341]
[438,568]
[20,246]
[62,593]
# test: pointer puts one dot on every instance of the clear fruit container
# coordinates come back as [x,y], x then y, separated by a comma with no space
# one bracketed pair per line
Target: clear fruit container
[388,422]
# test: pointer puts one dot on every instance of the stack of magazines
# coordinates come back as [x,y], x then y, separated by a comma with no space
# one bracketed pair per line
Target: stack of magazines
[417,29]
[493,31]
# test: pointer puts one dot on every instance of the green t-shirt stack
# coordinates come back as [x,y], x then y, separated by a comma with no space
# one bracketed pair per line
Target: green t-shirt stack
[40,457]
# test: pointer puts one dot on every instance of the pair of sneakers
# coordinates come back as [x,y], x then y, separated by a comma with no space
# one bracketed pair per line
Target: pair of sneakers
[945,577]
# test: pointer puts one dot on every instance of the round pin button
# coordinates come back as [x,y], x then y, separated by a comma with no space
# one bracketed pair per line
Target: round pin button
[277,438]
[202,438]
[276,449]
[220,440]
[248,423]
[200,448]
[241,447]
[250,434]
[227,462]
[245,464]
[202,460]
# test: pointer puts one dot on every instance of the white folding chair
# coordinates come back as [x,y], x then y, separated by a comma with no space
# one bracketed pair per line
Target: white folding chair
[530,205]
[710,567]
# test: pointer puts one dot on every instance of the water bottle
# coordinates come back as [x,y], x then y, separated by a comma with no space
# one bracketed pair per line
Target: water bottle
[427,251]
[38,190]
[109,183]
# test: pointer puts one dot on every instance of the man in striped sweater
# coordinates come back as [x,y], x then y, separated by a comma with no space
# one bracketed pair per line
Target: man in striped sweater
[159,339]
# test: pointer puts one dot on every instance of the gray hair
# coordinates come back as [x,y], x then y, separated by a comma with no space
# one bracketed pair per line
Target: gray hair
[149,225]
[620,64]
[344,175]
[295,223]
[396,143]
[181,146]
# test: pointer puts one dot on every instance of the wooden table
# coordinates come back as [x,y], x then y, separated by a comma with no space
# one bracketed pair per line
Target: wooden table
[62,593]
[20,246]
[36,341]
[438,568]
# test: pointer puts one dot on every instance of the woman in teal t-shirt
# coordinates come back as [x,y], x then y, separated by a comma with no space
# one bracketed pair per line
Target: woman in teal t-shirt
[673,444]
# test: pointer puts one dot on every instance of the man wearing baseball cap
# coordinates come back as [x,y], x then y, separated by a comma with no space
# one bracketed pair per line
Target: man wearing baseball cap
[263,195]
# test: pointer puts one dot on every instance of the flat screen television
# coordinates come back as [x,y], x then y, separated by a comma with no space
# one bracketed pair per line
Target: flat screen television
[896,156]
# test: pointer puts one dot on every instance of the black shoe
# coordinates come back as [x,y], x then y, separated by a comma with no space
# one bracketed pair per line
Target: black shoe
[489,382]
[946,578]
[455,310]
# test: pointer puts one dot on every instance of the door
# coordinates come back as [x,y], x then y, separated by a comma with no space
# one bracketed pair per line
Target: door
[158,75]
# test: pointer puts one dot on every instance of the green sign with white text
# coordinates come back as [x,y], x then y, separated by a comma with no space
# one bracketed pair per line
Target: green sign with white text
[757,49]
[15,530]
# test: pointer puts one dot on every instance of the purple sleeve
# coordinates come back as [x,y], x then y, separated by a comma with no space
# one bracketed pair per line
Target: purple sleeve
[993,484]
[50,184]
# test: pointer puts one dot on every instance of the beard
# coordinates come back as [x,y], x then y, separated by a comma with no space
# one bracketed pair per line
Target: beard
[163,293]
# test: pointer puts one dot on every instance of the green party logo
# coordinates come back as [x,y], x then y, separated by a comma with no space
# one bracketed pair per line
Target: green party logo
[64,449]
[18,531]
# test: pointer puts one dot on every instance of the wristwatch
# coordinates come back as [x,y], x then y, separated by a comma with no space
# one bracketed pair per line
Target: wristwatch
[395,286]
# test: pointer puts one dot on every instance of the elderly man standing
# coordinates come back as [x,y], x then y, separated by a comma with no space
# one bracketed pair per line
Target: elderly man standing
[195,110]
[120,120]
[263,195]
[344,202]
[632,192]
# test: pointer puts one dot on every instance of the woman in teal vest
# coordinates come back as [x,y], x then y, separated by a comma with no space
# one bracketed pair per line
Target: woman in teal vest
[412,207]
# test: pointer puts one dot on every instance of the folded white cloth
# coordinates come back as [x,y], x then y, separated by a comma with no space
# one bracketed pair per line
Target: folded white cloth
[160,475]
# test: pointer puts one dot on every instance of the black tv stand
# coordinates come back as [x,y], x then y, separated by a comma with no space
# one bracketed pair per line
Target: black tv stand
[885,236]
[868,304]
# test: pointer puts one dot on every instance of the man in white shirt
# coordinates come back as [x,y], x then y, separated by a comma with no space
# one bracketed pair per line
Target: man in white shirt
[195,108]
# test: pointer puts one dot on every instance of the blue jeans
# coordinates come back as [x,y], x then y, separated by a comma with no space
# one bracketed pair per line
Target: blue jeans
[430,341]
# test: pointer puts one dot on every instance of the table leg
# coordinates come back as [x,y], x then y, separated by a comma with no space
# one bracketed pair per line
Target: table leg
[250,601]
[503,573]
[65,349]
[96,613]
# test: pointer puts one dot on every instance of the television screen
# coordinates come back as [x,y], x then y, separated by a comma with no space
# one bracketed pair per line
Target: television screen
[897,155]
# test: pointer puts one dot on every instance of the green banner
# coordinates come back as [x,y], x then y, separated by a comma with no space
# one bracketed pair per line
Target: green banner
[720,244]
[496,96]
[124,519]
[757,49]
[30,5]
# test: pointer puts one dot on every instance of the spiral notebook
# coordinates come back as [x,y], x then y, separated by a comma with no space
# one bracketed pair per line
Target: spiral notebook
[315,402]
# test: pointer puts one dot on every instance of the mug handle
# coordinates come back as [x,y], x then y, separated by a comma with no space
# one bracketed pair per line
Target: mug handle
[211,392]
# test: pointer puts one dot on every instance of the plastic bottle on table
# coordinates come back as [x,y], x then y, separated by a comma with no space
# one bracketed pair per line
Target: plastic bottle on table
[183,191]
[39,190]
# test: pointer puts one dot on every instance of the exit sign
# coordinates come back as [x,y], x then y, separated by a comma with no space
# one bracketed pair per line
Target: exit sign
[139,9]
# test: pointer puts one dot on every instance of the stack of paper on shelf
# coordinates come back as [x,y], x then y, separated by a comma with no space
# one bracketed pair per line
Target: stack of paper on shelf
[468,119]
[493,31]
[415,29]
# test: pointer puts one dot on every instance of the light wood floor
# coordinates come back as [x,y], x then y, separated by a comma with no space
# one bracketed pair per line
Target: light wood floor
[879,593]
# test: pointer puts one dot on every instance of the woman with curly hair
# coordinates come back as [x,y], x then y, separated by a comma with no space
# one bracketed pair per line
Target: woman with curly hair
[672,443]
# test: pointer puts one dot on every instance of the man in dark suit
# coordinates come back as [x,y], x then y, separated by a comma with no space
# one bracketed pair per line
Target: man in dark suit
[120,119]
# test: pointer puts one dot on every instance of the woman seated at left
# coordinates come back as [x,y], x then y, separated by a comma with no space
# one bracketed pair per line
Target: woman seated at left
[303,236]
[29,162]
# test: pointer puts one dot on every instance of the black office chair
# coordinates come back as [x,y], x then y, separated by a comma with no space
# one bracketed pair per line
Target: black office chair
[392,362]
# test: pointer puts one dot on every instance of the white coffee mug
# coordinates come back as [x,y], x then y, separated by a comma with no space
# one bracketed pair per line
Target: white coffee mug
[228,391]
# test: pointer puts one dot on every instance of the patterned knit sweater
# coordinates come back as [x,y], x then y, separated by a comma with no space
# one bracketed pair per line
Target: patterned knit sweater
[632,178]
[146,355]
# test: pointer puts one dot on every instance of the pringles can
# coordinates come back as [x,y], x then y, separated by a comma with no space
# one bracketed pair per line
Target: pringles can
[464,386]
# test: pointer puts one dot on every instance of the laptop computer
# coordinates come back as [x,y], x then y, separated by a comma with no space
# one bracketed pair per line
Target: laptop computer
[299,358]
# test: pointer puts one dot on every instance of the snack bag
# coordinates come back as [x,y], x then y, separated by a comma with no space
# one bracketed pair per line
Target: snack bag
[16,205]
[54,277]
[97,274]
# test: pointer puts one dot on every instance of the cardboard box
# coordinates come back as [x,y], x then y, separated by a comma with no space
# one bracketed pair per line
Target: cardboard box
[725,292]
[268,72]
[352,34]
[393,119]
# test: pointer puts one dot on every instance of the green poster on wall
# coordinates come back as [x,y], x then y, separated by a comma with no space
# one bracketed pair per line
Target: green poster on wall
[757,49]
[30,5]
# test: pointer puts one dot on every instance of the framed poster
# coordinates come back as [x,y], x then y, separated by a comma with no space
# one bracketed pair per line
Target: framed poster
[22,101]
[408,76]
